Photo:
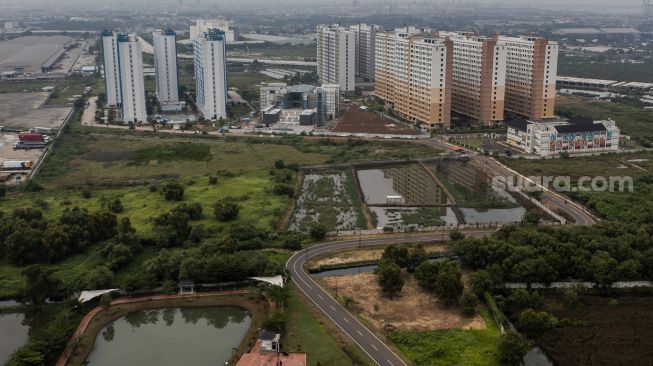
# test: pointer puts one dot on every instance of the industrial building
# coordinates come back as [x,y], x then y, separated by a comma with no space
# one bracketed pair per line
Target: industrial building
[165,64]
[336,56]
[414,74]
[211,74]
[478,77]
[365,45]
[32,54]
[552,137]
[299,104]
[531,71]
[202,26]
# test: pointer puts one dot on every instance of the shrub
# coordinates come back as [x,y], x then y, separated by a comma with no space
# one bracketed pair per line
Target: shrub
[388,275]
[86,194]
[115,206]
[153,188]
[279,164]
[283,189]
[534,322]
[512,349]
[173,191]
[213,180]
[456,235]
[226,209]
[469,302]
[318,231]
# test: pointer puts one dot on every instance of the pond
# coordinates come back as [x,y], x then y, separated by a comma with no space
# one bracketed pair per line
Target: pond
[416,195]
[176,336]
[13,334]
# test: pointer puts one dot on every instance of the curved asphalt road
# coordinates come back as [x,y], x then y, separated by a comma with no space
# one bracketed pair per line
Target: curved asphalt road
[359,333]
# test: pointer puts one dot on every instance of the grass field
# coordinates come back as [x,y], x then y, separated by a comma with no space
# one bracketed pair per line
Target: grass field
[632,121]
[306,333]
[247,80]
[451,346]
[28,86]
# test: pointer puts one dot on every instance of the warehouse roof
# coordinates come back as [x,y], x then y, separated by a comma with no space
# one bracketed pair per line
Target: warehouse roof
[30,53]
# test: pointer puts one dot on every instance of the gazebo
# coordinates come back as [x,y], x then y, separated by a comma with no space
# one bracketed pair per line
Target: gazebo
[186,287]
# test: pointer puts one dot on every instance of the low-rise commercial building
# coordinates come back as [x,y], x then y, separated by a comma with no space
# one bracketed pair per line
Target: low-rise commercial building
[552,137]
[288,103]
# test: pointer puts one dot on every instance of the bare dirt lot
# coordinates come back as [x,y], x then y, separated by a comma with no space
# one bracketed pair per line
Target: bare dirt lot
[7,152]
[414,309]
[355,120]
[22,110]
[353,256]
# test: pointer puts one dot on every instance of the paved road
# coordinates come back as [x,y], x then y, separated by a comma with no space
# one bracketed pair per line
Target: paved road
[359,333]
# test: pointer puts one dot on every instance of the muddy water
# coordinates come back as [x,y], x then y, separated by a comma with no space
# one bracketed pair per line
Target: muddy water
[13,334]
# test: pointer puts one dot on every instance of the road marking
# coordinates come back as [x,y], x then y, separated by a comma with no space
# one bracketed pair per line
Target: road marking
[373,346]
[331,306]
[345,319]
[320,296]
[391,364]
[359,332]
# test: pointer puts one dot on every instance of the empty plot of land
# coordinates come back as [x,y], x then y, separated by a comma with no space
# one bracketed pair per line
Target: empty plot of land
[413,309]
[23,110]
[355,120]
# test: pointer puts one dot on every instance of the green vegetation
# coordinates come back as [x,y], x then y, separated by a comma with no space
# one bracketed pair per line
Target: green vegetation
[74,85]
[425,216]
[583,68]
[27,86]
[451,346]
[623,206]
[632,120]
[272,50]
[305,333]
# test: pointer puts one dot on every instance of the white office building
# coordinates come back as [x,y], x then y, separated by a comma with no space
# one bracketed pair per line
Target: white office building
[165,66]
[132,84]
[555,136]
[211,74]
[365,44]
[327,102]
[111,68]
[202,26]
[336,56]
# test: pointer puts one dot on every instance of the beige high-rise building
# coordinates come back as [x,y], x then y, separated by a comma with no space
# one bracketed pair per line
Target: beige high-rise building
[479,77]
[531,71]
[413,73]
[336,56]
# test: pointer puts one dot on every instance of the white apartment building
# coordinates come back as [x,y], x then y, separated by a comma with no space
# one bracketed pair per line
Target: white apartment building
[478,77]
[202,26]
[165,66]
[365,44]
[111,68]
[552,137]
[132,84]
[211,74]
[531,71]
[413,73]
[336,56]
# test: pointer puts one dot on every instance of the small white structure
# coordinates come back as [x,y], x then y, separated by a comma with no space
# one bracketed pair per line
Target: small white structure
[276,280]
[269,341]
[86,296]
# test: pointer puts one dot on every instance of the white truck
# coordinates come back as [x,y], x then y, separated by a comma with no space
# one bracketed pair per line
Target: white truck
[16,165]
[43,130]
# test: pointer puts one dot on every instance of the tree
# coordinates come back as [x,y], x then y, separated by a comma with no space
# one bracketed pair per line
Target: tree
[3,191]
[417,257]
[512,349]
[389,277]
[398,254]
[115,206]
[39,283]
[449,284]
[603,266]
[481,282]
[317,230]
[226,209]
[469,302]
[531,218]
[426,274]
[534,322]
[98,278]
[456,235]
[279,164]
[173,191]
